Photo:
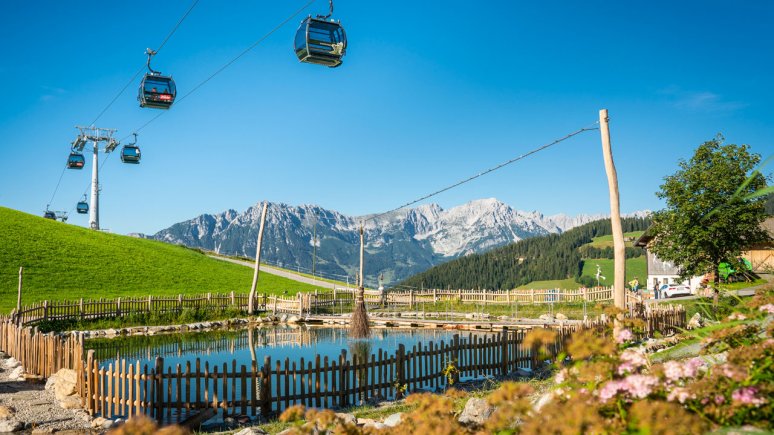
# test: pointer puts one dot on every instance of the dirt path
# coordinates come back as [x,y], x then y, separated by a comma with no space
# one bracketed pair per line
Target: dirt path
[280,272]
[36,409]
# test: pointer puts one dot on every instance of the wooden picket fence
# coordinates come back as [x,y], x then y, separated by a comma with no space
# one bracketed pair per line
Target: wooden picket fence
[40,354]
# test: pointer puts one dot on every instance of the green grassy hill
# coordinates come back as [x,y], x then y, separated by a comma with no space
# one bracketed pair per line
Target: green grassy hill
[68,262]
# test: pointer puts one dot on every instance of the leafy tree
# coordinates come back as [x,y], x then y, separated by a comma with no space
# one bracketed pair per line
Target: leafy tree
[712,214]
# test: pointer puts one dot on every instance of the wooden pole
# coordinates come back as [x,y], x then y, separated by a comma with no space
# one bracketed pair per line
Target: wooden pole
[619,250]
[251,302]
[18,295]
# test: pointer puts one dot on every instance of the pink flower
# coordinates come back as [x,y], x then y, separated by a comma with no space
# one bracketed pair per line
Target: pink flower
[673,370]
[719,400]
[631,360]
[692,366]
[680,394]
[747,396]
[610,389]
[561,376]
[768,308]
[623,336]
[639,386]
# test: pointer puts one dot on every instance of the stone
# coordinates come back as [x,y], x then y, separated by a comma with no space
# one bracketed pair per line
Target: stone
[347,418]
[365,421]
[107,424]
[6,412]
[71,402]
[375,425]
[251,431]
[12,363]
[16,374]
[43,431]
[99,422]
[561,317]
[543,401]
[65,383]
[110,333]
[476,412]
[284,318]
[695,322]
[118,422]
[546,317]
[393,420]
[293,319]
[10,425]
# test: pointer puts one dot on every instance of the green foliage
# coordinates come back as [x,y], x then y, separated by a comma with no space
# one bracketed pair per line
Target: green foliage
[710,217]
[66,262]
[551,257]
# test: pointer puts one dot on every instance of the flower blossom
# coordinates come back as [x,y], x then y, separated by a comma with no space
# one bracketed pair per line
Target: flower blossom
[747,396]
[737,316]
[631,360]
[768,308]
[680,394]
[623,336]
[639,386]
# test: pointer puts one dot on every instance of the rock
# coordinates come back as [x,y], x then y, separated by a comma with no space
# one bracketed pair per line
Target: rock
[393,420]
[65,383]
[110,333]
[71,402]
[476,412]
[118,422]
[99,422]
[543,401]
[365,421]
[375,425]
[347,418]
[284,318]
[695,322]
[12,363]
[251,431]
[43,431]
[6,412]
[524,372]
[293,319]
[107,424]
[16,374]
[561,317]
[470,316]
[546,317]
[10,425]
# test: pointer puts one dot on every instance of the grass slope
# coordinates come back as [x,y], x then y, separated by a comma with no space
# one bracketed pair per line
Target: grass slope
[68,262]
[634,267]
[607,241]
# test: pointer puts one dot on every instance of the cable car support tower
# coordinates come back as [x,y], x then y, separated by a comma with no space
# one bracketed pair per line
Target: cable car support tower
[98,137]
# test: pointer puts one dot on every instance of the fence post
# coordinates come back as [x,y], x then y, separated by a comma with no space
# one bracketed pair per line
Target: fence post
[180,302]
[456,356]
[274,311]
[459,295]
[300,299]
[400,364]
[266,388]
[80,308]
[89,382]
[504,351]
[233,303]
[150,303]
[45,310]
[532,295]
[435,294]
[118,307]
[411,298]
[159,389]
[343,379]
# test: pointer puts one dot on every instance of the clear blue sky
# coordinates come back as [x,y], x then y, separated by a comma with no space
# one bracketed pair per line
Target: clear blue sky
[430,92]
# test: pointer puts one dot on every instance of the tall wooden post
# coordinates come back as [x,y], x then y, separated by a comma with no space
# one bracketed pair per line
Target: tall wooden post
[18,294]
[619,250]
[251,302]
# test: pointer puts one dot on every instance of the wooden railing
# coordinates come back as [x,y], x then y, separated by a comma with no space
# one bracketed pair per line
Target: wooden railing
[40,354]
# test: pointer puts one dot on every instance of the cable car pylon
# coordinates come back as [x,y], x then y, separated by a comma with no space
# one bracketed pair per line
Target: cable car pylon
[96,136]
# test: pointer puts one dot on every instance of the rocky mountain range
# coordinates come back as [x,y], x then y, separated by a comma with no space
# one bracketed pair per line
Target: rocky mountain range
[398,244]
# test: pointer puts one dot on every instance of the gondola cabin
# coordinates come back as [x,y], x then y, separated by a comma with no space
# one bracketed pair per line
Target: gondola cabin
[82,207]
[130,154]
[320,42]
[49,215]
[75,161]
[157,91]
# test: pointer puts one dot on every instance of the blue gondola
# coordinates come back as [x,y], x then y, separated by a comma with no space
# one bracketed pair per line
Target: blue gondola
[75,161]
[157,91]
[321,40]
[83,206]
[130,154]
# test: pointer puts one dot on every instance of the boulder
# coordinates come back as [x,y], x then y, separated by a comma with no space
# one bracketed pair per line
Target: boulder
[293,319]
[16,374]
[393,420]
[375,425]
[561,317]
[476,412]
[6,412]
[546,317]
[12,363]
[71,402]
[365,421]
[695,322]
[99,422]
[10,425]
[110,333]
[64,383]
[347,418]
[283,318]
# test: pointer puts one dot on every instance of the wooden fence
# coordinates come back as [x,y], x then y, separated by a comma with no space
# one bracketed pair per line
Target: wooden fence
[302,303]
[41,355]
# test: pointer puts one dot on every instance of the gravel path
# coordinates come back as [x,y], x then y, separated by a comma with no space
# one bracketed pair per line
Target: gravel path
[38,409]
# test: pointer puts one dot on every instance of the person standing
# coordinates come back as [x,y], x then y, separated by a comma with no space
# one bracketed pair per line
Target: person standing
[634,284]
[655,290]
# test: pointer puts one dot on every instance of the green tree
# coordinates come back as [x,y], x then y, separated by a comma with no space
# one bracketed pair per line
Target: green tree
[711,214]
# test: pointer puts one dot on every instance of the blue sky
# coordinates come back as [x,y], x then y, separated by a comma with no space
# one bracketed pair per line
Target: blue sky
[430,92]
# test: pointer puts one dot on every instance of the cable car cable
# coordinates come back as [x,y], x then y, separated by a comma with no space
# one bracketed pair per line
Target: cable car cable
[492,169]
[227,64]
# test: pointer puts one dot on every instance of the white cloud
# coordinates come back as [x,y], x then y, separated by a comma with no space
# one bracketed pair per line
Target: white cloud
[700,101]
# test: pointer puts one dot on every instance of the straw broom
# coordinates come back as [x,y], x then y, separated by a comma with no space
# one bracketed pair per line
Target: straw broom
[359,325]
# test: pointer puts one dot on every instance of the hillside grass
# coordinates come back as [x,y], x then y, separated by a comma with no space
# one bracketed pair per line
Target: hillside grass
[66,262]
[634,267]
[607,241]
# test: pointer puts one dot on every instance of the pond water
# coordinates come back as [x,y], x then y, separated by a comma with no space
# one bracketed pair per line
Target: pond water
[279,342]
